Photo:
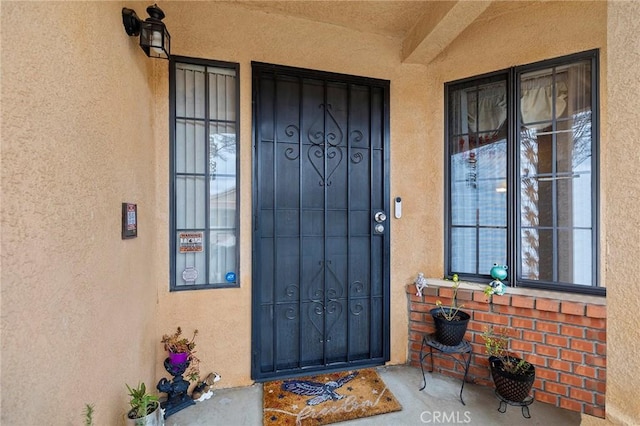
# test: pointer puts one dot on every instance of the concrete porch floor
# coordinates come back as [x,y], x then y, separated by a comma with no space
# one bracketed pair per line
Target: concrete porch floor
[438,401]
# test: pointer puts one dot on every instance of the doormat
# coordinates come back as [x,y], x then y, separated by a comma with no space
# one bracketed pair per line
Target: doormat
[326,398]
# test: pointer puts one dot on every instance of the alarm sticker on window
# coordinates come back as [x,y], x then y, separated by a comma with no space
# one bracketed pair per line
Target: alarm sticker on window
[190,274]
[190,242]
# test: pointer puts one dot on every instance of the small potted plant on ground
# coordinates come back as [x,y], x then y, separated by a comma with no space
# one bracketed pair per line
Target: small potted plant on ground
[513,376]
[145,408]
[88,414]
[182,350]
[451,323]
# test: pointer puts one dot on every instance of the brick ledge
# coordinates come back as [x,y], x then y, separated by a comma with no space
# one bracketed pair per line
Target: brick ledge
[518,291]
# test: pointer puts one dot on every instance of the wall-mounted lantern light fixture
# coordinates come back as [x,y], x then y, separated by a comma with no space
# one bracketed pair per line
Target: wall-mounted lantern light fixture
[154,37]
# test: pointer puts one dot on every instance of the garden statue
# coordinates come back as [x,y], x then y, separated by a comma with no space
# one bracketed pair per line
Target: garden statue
[498,273]
[421,283]
[204,389]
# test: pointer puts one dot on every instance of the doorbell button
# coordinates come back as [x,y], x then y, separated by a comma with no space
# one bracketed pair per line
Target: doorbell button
[398,208]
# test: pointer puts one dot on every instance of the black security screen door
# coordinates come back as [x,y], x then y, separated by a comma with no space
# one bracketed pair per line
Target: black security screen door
[321,235]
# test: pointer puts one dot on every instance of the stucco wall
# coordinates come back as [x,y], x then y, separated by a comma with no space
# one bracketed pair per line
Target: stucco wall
[78,302]
[232,33]
[523,33]
[620,209]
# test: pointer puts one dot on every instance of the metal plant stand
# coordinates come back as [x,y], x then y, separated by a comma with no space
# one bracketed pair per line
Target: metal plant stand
[176,389]
[463,349]
[524,404]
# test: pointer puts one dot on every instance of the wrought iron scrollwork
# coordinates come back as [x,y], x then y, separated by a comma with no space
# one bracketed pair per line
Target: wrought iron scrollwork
[316,315]
[291,290]
[356,136]
[326,138]
[291,130]
[357,287]
[291,313]
[334,133]
[327,143]
[326,307]
[333,313]
[318,309]
[291,153]
[356,308]
[357,158]
[334,293]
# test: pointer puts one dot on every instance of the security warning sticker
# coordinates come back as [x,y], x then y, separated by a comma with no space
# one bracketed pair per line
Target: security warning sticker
[190,242]
[190,274]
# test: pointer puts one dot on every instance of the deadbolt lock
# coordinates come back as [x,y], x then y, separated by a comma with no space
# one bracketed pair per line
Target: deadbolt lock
[380,217]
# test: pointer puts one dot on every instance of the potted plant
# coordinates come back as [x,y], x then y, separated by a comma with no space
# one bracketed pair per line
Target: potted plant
[88,414]
[512,375]
[145,408]
[450,322]
[182,350]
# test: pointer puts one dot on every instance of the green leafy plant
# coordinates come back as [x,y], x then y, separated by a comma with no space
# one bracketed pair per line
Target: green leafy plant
[177,343]
[88,414]
[496,342]
[450,313]
[142,403]
[488,290]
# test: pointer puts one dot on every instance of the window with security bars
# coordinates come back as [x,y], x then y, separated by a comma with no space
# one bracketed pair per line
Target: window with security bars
[204,173]
[522,174]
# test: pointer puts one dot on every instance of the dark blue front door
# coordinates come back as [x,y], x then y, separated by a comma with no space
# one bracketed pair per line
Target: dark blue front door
[320,243]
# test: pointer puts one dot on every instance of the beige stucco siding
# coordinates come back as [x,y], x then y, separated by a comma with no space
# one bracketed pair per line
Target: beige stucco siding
[78,303]
[235,34]
[620,202]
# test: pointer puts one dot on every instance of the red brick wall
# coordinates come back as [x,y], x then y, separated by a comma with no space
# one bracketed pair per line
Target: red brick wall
[566,341]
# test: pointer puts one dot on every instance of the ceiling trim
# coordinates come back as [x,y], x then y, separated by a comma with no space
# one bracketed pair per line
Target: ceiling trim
[438,28]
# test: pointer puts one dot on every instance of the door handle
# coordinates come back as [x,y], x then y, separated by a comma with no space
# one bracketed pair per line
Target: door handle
[379,217]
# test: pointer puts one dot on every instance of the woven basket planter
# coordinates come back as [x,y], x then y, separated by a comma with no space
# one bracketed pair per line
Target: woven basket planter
[512,387]
[450,333]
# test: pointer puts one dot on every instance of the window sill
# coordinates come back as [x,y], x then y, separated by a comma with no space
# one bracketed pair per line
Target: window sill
[523,291]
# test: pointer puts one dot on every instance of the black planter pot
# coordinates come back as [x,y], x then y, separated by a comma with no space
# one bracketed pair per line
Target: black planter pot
[450,333]
[512,387]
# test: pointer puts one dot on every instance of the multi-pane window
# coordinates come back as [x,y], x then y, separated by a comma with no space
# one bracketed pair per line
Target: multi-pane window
[522,174]
[204,173]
